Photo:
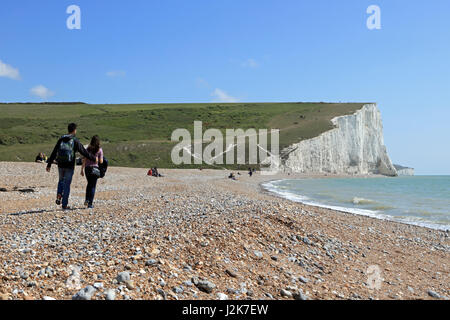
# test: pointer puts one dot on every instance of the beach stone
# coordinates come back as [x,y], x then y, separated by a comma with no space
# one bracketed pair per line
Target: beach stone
[110,294]
[123,277]
[195,280]
[258,254]
[151,262]
[231,273]
[162,293]
[299,295]
[84,294]
[205,286]
[433,294]
[285,293]
[222,296]
[130,284]
[178,289]
[188,283]
[47,298]
[98,285]
[187,268]
[303,279]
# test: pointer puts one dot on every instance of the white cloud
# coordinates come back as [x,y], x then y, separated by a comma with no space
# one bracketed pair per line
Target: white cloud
[8,71]
[250,63]
[116,73]
[222,96]
[42,92]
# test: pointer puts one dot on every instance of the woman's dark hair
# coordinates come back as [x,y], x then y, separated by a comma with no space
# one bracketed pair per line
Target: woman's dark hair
[94,146]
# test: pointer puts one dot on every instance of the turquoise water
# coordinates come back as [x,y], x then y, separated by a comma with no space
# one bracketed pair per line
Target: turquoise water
[419,200]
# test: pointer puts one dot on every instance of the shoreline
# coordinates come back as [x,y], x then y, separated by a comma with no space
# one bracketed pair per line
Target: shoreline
[170,232]
[370,213]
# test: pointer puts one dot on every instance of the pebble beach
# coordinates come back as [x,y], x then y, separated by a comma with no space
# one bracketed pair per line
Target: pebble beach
[197,235]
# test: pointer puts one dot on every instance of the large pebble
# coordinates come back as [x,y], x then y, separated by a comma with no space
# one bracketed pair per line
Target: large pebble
[110,294]
[123,277]
[205,286]
[84,294]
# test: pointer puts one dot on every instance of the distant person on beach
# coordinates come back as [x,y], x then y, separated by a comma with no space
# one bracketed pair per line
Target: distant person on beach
[153,172]
[64,154]
[156,173]
[232,176]
[250,172]
[41,158]
[91,170]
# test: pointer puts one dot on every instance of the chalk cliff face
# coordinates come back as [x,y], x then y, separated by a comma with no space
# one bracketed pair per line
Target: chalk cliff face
[354,146]
[404,171]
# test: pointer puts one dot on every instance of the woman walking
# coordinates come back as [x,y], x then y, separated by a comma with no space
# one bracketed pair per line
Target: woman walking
[91,170]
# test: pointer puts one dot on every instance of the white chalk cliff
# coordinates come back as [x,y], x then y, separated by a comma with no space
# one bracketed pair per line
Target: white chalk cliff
[404,171]
[354,146]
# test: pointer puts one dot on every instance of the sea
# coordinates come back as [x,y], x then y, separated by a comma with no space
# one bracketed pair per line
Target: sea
[418,200]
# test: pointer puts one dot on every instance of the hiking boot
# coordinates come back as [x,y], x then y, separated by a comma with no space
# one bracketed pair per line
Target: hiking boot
[58,199]
[86,203]
[66,208]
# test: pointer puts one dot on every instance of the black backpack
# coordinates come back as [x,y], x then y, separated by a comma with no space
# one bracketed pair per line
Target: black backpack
[103,167]
[66,152]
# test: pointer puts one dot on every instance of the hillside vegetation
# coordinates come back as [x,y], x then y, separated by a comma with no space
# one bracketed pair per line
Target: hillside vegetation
[138,135]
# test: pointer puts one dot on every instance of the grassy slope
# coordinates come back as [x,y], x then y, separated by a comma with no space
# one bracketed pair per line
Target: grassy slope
[139,135]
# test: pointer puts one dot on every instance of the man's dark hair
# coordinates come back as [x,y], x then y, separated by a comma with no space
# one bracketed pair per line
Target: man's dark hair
[72,127]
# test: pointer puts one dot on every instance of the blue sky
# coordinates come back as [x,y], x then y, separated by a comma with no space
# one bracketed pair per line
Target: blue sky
[242,50]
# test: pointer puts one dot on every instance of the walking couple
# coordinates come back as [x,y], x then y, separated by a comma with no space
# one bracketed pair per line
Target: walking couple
[93,165]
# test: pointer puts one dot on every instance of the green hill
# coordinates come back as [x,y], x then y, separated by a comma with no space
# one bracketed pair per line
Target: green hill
[138,135]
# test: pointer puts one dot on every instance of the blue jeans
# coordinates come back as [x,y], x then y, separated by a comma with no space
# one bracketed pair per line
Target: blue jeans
[65,179]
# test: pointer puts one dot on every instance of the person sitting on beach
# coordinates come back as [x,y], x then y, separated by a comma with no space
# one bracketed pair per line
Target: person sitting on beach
[41,158]
[156,173]
[232,176]
[153,172]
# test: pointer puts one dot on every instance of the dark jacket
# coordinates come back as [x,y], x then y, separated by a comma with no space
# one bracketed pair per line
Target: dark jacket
[78,147]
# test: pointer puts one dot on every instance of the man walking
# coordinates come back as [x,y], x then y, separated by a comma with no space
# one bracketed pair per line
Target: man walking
[64,154]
